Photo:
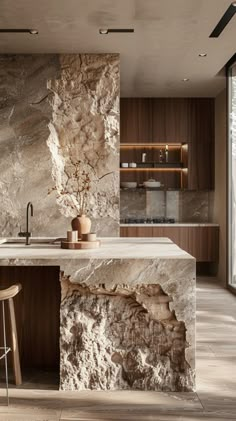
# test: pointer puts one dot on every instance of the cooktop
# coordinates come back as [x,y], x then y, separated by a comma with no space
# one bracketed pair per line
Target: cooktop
[158,220]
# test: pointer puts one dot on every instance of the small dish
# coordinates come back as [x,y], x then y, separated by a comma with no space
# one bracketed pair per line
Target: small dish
[128,184]
[151,183]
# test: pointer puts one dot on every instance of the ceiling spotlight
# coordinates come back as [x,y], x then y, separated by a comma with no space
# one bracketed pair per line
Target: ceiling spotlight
[19,31]
[33,31]
[202,54]
[115,30]
[185,79]
[103,31]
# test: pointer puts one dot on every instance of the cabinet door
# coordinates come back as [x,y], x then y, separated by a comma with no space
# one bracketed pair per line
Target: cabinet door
[135,120]
[201,120]
[170,120]
[136,232]
[201,165]
[201,242]
[201,144]
[204,243]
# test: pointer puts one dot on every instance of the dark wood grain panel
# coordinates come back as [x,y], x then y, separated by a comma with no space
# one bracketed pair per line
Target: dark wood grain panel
[135,120]
[170,120]
[136,232]
[201,166]
[201,120]
[170,179]
[173,120]
[201,153]
[200,242]
[37,314]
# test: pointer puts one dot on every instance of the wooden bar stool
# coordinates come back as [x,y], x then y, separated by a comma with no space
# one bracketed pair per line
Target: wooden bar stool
[7,295]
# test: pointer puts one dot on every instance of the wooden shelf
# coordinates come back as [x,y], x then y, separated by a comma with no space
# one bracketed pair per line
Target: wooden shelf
[159,165]
[149,124]
[154,169]
[152,145]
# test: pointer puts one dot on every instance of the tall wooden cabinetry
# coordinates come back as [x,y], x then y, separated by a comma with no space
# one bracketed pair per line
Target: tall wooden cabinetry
[187,121]
[135,120]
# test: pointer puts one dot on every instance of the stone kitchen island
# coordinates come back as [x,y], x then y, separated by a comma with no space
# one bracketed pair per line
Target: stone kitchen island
[127,314]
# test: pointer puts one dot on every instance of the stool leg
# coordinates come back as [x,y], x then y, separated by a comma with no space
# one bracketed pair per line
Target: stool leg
[15,347]
[5,349]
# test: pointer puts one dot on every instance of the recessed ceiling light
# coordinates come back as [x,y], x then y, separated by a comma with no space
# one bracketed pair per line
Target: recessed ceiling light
[202,54]
[115,30]
[185,79]
[19,31]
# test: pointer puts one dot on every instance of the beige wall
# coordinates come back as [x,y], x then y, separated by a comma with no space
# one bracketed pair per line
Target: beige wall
[219,208]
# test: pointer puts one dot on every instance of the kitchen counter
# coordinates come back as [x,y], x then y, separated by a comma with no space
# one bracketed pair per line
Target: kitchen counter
[111,248]
[127,312]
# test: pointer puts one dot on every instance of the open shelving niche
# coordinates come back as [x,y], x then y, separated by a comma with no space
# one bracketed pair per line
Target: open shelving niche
[173,174]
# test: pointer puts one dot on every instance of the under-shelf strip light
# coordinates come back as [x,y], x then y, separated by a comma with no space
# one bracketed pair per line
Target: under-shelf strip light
[151,146]
[154,169]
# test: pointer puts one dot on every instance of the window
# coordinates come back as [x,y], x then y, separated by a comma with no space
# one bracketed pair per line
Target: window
[232,175]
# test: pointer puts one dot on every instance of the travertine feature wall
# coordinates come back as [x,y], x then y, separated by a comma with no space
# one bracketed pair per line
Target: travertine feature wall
[59,119]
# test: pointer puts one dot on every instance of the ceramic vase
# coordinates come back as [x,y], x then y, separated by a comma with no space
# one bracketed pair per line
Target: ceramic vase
[82,224]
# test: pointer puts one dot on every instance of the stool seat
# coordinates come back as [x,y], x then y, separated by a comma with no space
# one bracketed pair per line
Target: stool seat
[7,295]
[10,292]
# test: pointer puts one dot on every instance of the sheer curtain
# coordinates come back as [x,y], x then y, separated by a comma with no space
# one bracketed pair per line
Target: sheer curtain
[232,175]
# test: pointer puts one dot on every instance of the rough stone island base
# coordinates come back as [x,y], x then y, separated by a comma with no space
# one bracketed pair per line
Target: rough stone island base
[127,313]
[133,335]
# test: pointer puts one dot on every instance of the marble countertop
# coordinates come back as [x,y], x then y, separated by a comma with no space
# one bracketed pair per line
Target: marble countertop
[111,248]
[176,224]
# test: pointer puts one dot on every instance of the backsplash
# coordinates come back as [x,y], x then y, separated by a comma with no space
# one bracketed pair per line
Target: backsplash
[183,206]
[59,118]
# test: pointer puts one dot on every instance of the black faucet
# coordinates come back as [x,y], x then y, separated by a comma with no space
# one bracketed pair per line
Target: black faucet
[27,234]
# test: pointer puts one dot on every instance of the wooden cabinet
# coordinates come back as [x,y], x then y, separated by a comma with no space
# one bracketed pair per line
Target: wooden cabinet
[201,145]
[174,120]
[135,120]
[136,232]
[202,242]
[201,166]
[37,309]
[170,120]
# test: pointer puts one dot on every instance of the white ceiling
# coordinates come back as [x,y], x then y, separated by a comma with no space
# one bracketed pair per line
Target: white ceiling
[169,35]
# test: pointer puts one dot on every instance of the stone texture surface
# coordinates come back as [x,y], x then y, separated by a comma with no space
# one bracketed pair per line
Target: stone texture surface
[57,111]
[127,312]
[186,206]
[132,204]
[85,136]
[128,324]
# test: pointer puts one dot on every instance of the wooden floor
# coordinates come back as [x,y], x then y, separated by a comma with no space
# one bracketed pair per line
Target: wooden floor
[216,380]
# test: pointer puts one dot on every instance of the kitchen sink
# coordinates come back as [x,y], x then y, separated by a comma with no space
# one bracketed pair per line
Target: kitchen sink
[35,242]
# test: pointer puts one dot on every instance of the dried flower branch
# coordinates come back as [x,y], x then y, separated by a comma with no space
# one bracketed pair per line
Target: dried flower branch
[76,187]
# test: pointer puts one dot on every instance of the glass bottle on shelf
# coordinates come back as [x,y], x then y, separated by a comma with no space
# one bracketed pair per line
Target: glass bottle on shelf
[161,156]
[167,153]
